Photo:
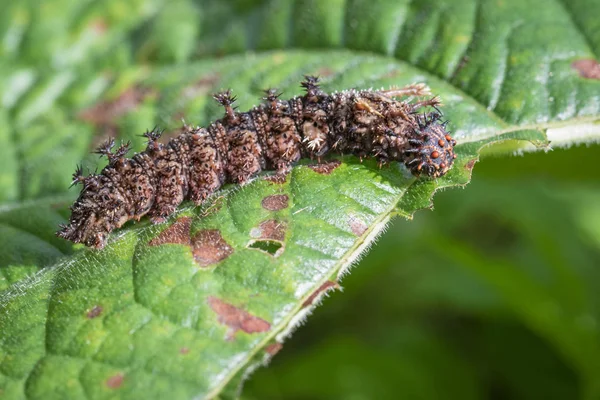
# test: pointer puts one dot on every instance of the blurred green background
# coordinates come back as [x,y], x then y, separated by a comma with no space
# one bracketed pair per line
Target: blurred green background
[494,295]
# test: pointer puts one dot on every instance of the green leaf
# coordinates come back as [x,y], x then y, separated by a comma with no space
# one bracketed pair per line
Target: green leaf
[182,309]
[27,242]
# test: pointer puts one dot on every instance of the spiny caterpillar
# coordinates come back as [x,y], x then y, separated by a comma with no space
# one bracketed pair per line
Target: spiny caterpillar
[271,136]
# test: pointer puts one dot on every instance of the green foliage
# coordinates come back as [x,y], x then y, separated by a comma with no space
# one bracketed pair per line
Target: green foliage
[184,309]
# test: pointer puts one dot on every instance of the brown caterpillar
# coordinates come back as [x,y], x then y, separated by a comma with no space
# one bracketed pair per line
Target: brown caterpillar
[272,136]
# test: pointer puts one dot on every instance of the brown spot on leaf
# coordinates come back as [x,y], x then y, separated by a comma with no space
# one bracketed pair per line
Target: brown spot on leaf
[587,68]
[325,72]
[106,112]
[357,225]
[178,233]
[99,25]
[115,381]
[237,319]
[59,205]
[95,312]
[279,179]
[325,168]
[184,350]
[201,87]
[324,288]
[273,348]
[469,166]
[393,73]
[103,115]
[275,202]
[269,230]
[209,247]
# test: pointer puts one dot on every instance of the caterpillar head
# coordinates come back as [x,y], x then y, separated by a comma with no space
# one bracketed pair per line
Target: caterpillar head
[431,149]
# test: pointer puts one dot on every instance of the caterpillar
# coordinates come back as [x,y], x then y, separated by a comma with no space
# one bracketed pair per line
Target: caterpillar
[272,136]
